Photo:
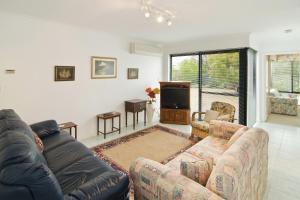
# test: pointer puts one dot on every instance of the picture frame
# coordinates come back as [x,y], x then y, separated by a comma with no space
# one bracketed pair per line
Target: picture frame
[64,73]
[133,73]
[103,67]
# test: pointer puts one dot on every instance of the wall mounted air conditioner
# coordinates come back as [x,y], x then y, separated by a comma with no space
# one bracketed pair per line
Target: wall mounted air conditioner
[146,49]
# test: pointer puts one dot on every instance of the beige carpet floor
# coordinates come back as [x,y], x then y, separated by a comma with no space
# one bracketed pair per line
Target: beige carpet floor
[285,119]
[157,145]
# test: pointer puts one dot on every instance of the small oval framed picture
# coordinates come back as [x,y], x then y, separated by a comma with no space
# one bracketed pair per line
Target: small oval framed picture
[103,67]
[64,73]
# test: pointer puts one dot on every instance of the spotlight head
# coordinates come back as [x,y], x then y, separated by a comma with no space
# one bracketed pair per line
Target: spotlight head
[160,19]
[147,14]
[169,23]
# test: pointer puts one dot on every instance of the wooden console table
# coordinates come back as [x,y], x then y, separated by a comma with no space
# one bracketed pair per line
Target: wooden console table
[105,116]
[69,125]
[135,106]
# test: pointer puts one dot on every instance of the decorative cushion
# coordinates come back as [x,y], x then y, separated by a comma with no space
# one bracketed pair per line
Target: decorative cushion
[39,143]
[236,136]
[224,117]
[198,171]
[202,125]
[211,115]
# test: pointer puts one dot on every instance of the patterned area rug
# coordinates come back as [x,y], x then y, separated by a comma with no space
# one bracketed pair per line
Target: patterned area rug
[156,143]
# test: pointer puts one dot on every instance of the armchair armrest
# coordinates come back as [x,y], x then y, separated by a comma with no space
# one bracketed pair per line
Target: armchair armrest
[195,113]
[223,129]
[156,181]
[45,128]
[107,186]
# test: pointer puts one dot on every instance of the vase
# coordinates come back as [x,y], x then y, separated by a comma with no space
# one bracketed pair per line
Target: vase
[150,111]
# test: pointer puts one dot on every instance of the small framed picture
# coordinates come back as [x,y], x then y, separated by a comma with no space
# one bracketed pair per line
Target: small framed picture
[103,67]
[133,73]
[64,73]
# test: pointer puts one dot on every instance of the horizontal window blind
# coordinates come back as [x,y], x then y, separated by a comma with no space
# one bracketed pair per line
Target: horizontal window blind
[285,72]
[220,79]
[186,68]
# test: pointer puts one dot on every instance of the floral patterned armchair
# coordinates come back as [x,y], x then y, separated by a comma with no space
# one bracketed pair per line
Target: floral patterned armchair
[200,129]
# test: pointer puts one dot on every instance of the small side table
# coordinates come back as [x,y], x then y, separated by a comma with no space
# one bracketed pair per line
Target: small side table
[105,116]
[69,125]
[135,106]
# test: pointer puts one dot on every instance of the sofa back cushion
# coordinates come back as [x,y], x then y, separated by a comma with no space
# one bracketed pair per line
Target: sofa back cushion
[21,163]
[241,172]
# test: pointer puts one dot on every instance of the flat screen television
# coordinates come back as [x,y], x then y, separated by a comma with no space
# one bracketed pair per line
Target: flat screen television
[175,98]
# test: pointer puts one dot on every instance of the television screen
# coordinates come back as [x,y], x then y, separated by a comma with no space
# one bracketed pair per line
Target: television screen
[175,98]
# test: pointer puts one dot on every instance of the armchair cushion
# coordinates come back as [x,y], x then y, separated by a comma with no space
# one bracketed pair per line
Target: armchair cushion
[198,171]
[211,115]
[224,109]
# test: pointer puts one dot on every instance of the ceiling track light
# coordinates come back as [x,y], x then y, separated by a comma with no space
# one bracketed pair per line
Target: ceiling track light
[159,14]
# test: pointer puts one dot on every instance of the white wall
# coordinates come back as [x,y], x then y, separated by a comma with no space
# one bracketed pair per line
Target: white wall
[267,43]
[204,44]
[33,47]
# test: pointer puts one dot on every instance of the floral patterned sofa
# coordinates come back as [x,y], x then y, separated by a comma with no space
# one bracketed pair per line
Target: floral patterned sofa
[238,168]
[284,105]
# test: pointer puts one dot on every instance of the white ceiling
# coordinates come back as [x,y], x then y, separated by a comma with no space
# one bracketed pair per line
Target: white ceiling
[194,18]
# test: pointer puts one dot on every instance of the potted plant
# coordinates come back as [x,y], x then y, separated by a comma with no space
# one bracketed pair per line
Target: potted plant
[150,107]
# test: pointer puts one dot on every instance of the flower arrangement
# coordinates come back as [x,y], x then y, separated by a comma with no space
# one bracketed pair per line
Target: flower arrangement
[152,92]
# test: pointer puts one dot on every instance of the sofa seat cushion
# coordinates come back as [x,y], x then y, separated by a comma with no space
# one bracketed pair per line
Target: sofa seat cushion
[56,140]
[210,146]
[80,172]
[175,163]
[202,125]
[65,155]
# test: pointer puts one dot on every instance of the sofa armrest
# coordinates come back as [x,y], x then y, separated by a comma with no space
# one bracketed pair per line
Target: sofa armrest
[223,129]
[45,128]
[156,181]
[107,186]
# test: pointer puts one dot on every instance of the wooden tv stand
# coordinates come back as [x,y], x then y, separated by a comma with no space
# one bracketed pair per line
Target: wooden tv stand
[176,115]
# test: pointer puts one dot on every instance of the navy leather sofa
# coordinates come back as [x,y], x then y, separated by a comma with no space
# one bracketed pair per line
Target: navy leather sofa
[65,170]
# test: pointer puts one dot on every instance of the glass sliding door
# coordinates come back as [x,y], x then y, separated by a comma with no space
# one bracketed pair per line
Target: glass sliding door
[226,75]
[220,79]
[186,68]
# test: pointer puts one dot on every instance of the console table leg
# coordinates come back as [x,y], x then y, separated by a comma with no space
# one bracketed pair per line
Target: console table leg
[145,117]
[126,118]
[133,120]
[97,126]
[76,132]
[112,124]
[119,124]
[137,117]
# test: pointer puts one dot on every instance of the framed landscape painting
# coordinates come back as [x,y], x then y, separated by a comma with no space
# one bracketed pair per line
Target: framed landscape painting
[103,67]
[133,73]
[64,73]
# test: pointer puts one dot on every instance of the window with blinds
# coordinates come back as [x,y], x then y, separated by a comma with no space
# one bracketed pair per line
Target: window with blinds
[186,68]
[285,72]
[220,80]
